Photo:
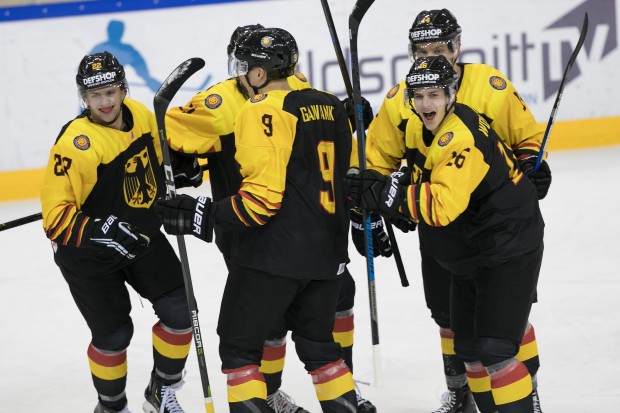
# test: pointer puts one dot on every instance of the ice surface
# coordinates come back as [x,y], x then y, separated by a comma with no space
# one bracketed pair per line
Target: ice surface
[43,339]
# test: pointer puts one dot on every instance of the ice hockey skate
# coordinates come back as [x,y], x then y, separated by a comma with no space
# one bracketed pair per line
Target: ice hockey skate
[280,402]
[161,398]
[100,408]
[459,400]
[363,405]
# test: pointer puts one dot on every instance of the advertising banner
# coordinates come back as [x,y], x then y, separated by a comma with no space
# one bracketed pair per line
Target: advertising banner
[529,41]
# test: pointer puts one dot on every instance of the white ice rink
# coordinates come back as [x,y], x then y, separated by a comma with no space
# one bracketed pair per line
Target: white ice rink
[43,339]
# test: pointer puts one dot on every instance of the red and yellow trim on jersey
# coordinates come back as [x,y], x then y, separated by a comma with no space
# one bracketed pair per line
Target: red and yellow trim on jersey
[108,365]
[245,383]
[68,226]
[253,209]
[332,381]
[511,383]
[421,204]
[344,328]
[170,343]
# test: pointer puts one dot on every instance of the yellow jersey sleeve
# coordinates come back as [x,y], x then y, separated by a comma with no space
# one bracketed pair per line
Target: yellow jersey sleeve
[265,135]
[457,168]
[491,94]
[385,138]
[196,127]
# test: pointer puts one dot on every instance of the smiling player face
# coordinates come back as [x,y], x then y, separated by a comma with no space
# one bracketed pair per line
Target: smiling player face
[105,104]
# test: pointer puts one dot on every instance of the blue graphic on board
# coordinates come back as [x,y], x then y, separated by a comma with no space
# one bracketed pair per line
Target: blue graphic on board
[128,55]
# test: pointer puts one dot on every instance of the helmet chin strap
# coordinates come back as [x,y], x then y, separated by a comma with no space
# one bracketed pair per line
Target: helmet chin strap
[256,88]
[449,107]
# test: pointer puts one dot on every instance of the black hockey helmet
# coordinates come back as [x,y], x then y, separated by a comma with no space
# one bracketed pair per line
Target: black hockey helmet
[432,71]
[100,70]
[434,26]
[273,49]
[239,33]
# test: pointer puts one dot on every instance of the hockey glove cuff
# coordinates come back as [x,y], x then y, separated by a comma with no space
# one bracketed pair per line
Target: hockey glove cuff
[380,240]
[394,194]
[117,238]
[186,215]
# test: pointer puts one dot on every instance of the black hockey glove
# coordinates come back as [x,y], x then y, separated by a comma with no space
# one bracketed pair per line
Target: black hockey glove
[542,177]
[117,239]
[186,215]
[367,114]
[364,188]
[380,240]
[186,170]
[394,193]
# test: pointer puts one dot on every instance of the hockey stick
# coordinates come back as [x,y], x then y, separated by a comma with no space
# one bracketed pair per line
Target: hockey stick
[399,262]
[569,65]
[347,83]
[162,99]
[360,8]
[21,221]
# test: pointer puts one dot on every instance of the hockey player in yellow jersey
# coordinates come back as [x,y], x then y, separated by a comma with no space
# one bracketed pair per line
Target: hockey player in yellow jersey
[204,128]
[478,219]
[490,93]
[102,179]
[290,213]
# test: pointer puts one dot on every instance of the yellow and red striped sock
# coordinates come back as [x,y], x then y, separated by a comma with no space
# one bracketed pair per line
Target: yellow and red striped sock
[334,387]
[272,363]
[246,389]
[170,350]
[109,373]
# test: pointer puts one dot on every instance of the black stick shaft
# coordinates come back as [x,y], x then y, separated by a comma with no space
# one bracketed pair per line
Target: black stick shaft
[399,262]
[347,83]
[21,221]
[161,101]
[556,104]
[360,8]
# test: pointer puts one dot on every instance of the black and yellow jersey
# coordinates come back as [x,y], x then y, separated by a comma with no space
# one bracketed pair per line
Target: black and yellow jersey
[94,171]
[204,127]
[481,87]
[385,137]
[472,203]
[294,149]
